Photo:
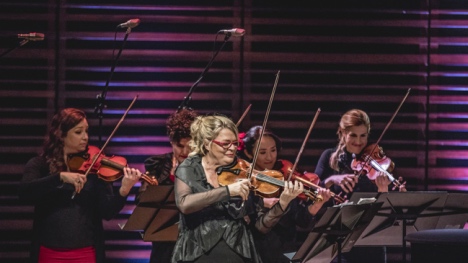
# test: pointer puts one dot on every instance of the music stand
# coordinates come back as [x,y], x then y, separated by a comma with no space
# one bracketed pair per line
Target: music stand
[338,227]
[402,213]
[156,214]
[455,213]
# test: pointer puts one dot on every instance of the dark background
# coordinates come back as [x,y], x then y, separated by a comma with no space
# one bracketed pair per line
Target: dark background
[331,56]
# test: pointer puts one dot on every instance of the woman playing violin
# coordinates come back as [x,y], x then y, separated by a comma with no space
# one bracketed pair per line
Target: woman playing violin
[334,165]
[69,229]
[163,166]
[212,226]
[283,237]
[334,169]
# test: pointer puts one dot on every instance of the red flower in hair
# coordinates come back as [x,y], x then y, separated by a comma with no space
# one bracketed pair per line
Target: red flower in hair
[241,141]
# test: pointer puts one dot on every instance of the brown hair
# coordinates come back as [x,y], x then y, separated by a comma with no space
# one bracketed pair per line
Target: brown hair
[351,118]
[61,123]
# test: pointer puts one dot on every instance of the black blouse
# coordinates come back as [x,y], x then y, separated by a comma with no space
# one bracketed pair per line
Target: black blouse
[160,166]
[63,222]
[212,215]
[323,170]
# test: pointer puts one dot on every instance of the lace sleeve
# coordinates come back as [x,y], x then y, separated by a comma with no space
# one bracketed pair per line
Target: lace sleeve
[268,219]
[194,197]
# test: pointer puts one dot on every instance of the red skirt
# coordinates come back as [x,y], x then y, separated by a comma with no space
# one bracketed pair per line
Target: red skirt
[57,255]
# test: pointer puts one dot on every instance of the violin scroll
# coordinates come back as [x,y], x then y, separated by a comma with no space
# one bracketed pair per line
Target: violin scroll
[402,185]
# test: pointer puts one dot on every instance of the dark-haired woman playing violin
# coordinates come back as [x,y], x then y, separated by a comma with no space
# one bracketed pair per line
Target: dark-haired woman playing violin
[67,229]
[283,238]
[163,166]
[335,171]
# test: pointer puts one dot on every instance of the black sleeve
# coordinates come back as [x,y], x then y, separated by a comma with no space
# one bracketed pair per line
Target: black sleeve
[37,182]
[302,216]
[158,166]
[323,169]
[110,203]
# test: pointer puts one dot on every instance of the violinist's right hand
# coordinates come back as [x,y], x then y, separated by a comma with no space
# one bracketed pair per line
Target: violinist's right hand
[76,179]
[240,188]
[345,181]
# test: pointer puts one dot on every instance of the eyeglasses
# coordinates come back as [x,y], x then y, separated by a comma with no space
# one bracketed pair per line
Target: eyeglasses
[226,145]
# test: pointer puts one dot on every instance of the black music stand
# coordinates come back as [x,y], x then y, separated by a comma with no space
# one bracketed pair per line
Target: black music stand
[455,213]
[338,228]
[407,212]
[155,214]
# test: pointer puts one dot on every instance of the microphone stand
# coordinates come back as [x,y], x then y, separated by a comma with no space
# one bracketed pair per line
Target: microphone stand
[20,44]
[100,104]
[187,98]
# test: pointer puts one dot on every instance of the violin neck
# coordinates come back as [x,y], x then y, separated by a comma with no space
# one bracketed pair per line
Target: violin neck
[269,179]
[149,179]
[112,164]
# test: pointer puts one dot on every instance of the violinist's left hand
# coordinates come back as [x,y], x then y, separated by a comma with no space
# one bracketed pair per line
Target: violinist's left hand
[131,177]
[382,181]
[325,195]
[291,191]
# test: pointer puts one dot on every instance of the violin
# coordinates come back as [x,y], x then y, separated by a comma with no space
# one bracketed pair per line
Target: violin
[311,180]
[267,183]
[107,168]
[372,162]
[239,169]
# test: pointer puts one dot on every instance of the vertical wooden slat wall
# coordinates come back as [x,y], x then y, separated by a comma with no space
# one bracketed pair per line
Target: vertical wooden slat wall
[332,56]
[27,88]
[353,55]
[447,104]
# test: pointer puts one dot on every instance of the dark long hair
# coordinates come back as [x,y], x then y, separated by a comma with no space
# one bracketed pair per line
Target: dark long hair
[61,123]
[253,134]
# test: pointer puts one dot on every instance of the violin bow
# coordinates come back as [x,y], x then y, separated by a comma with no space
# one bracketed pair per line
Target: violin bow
[386,128]
[243,115]
[107,141]
[254,160]
[110,136]
[303,144]
[391,120]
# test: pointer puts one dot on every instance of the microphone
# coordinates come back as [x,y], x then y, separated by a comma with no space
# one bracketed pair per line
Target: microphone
[33,36]
[130,23]
[235,32]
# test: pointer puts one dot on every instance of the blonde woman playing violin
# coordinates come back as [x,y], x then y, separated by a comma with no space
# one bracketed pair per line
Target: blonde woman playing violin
[212,226]
[334,165]
[334,170]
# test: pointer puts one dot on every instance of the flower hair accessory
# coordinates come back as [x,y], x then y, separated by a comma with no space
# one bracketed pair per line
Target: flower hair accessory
[241,141]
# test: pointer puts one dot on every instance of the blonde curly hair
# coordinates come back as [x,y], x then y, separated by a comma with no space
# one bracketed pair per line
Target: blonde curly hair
[207,128]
